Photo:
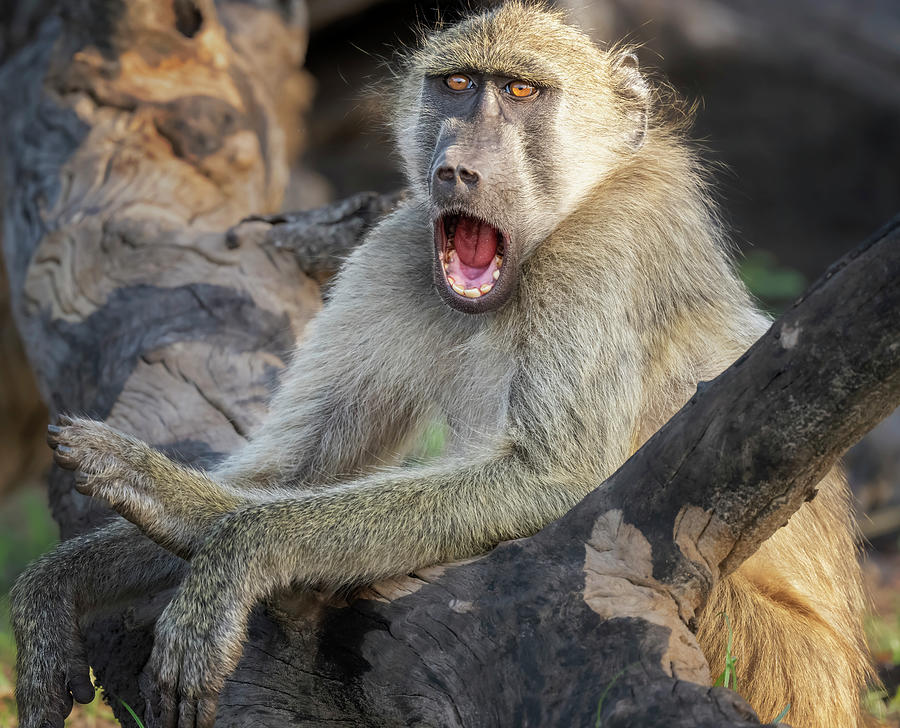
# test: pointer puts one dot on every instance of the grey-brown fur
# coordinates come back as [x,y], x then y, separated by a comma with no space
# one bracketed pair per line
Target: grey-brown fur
[624,300]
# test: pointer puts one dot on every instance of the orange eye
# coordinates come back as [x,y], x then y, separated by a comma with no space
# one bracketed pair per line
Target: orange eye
[520,89]
[458,82]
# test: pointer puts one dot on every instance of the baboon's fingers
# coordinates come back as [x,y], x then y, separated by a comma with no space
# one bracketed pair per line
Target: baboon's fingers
[67,706]
[148,717]
[151,700]
[161,710]
[57,723]
[82,483]
[206,712]
[53,433]
[81,687]
[65,457]
[187,713]
[168,710]
[78,673]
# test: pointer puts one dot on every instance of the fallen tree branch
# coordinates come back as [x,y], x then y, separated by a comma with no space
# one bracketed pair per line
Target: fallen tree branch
[320,239]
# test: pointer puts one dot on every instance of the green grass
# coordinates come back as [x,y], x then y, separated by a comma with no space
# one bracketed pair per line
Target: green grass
[728,678]
[429,444]
[598,723]
[775,286]
[28,531]
[131,712]
[783,714]
[883,636]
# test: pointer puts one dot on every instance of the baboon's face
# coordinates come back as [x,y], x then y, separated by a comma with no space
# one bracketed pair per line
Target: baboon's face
[507,121]
[479,184]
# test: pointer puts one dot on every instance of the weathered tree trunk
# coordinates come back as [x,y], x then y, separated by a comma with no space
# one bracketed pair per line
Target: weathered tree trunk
[136,135]
[23,456]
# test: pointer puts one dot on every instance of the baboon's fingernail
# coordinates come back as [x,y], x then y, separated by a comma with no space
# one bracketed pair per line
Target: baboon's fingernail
[63,456]
[54,429]
[81,477]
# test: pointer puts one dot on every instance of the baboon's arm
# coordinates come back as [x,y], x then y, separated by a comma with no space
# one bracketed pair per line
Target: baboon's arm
[56,591]
[333,417]
[176,505]
[389,523]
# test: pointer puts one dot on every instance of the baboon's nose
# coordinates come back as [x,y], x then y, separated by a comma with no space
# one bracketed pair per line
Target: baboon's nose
[468,175]
[450,175]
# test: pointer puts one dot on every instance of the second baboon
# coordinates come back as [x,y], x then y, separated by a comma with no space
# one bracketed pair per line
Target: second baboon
[554,287]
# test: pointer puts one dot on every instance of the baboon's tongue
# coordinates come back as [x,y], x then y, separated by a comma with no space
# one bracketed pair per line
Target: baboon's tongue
[475,242]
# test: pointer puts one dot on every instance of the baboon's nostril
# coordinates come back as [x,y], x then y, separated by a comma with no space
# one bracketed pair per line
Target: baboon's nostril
[446,174]
[469,176]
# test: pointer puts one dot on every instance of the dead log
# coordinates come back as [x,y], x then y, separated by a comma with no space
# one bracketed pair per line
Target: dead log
[137,306]
[319,239]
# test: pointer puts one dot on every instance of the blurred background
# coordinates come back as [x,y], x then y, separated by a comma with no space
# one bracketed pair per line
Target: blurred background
[798,107]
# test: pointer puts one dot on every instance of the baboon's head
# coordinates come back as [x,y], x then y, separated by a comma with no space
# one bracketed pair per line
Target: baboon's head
[505,122]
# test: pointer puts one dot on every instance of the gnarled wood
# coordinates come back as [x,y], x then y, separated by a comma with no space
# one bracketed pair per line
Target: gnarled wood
[320,239]
[130,164]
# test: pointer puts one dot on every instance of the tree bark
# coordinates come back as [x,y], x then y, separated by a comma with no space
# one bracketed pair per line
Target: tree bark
[140,135]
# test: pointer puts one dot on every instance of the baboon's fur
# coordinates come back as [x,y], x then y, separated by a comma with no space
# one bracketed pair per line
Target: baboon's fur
[625,300]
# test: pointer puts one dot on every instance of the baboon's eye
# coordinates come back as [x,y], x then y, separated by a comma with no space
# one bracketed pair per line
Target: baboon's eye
[459,82]
[520,89]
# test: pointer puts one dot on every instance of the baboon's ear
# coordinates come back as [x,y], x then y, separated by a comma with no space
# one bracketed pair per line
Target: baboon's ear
[634,87]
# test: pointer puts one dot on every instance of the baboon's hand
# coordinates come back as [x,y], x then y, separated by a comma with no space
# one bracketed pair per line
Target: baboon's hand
[107,464]
[192,656]
[51,666]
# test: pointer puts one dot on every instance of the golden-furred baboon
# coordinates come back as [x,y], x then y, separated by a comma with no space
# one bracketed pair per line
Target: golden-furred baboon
[554,287]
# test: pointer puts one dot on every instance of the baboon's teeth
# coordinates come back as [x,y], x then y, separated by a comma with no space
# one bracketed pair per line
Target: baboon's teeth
[463,279]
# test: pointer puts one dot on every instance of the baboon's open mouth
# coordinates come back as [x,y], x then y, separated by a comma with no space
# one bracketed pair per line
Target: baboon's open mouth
[470,262]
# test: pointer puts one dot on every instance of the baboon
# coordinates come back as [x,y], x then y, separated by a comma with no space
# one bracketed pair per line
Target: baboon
[553,288]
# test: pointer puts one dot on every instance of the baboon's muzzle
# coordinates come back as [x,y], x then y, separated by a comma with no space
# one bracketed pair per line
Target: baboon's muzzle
[475,255]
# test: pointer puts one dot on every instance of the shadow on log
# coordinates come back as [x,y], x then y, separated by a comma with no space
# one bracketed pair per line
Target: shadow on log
[139,303]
